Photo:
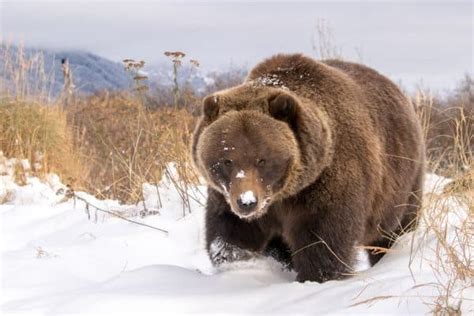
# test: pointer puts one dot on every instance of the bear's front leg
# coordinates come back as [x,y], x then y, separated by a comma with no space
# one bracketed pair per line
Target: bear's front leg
[320,251]
[229,238]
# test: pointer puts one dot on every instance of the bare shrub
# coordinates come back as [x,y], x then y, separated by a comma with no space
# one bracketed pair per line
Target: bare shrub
[323,43]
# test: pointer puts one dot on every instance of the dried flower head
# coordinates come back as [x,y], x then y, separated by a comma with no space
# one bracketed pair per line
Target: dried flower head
[175,55]
[140,77]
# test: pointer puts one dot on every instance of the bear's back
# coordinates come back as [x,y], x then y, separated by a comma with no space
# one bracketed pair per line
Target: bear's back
[350,93]
[391,111]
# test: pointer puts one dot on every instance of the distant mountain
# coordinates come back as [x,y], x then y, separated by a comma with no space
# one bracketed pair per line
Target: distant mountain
[90,72]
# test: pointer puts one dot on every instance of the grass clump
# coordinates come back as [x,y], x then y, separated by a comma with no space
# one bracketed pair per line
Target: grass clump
[41,135]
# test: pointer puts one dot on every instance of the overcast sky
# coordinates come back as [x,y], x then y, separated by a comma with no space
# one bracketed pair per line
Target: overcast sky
[410,41]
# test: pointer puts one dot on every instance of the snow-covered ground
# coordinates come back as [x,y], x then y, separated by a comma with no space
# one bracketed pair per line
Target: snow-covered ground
[59,258]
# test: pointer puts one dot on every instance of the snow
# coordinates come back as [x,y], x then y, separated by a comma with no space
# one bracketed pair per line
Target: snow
[435,184]
[270,80]
[248,197]
[240,174]
[56,261]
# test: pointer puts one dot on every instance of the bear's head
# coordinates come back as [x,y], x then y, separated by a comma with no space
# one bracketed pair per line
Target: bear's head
[248,147]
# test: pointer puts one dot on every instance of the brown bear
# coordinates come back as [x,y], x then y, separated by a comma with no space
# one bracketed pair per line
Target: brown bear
[311,159]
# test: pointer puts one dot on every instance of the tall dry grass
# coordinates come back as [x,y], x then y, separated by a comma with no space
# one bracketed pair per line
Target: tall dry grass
[448,126]
[42,136]
[127,144]
[23,75]
[446,221]
[33,125]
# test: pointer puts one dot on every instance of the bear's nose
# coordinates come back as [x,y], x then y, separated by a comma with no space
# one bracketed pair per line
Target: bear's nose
[247,201]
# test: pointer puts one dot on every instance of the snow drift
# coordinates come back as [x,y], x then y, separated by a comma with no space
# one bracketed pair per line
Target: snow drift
[61,256]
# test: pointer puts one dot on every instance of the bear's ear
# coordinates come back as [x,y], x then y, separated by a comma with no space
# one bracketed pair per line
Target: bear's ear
[211,107]
[283,107]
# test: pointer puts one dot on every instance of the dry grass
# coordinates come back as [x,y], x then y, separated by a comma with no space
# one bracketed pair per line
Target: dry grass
[32,126]
[445,229]
[126,144]
[23,75]
[42,136]
[448,126]
[446,223]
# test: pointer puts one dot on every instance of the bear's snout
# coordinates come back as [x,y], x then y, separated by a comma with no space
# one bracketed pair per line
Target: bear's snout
[247,194]
[247,202]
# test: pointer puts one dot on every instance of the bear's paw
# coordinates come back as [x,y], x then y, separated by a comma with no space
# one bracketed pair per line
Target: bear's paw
[221,251]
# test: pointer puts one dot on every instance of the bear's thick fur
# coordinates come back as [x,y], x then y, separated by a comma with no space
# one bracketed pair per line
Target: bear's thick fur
[308,160]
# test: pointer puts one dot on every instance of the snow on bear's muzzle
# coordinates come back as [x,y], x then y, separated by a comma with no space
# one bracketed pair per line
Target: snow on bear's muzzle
[248,199]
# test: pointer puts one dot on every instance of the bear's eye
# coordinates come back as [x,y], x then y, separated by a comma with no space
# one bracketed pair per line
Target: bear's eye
[228,162]
[261,162]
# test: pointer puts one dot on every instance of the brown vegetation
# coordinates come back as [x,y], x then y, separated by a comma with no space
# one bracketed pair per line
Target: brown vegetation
[126,144]
[42,135]
[449,127]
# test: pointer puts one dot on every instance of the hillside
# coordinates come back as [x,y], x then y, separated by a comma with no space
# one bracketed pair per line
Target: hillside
[91,73]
